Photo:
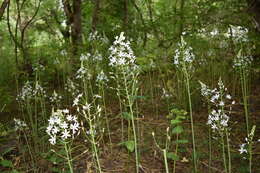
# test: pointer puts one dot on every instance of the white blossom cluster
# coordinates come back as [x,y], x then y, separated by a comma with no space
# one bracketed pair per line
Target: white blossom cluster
[19,124]
[248,140]
[55,98]
[237,33]
[94,36]
[71,87]
[102,78]
[28,92]
[93,115]
[83,73]
[38,67]
[62,125]
[121,53]
[97,56]
[183,54]
[242,61]
[84,57]
[218,117]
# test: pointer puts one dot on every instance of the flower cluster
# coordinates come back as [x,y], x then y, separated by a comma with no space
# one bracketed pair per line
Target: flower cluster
[38,67]
[242,61]
[71,87]
[62,125]
[19,124]
[55,98]
[101,78]
[238,33]
[84,57]
[121,53]
[28,92]
[248,140]
[82,73]
[183,55]
[95,36]
[218,117]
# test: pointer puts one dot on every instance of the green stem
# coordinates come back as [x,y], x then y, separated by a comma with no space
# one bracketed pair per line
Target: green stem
[67,150]
[191,118]
[223,153]
[245,94]
[165,160]
[229,154]
[133,123]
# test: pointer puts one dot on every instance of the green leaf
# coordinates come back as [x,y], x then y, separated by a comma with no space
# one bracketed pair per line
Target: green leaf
[7,150]
[176,121]
[177,130]
[6,163]
[182,141]
[172,156]
[126,115]
[130,145]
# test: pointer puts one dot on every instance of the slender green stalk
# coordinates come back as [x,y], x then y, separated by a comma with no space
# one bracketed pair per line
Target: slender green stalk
[176,152]
[228,150]
[107,121]
[244,88]
[95,149]
[67,150]
[251,136]
[130,104]
[165,160]
[191,118]
[210,150]
[224,153]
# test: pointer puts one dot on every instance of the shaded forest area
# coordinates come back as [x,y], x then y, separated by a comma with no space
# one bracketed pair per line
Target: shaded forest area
[124,86]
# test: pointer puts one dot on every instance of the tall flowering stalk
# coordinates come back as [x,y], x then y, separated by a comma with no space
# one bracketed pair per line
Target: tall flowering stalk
[183,60]
[101,82]
[92,115]
[29,97]
[125,73]
[62,128]
[247,147]
[219,116]
[242,65]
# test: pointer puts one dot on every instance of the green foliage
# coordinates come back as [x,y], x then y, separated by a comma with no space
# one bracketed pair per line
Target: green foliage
[130,145]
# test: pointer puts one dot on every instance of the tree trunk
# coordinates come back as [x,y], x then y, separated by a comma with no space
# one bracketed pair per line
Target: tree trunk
[76,28]
[73,14]
[125,20]
[3,7]
[95,16]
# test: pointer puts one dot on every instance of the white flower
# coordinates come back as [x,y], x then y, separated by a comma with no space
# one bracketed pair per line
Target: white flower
[228,96]
[74,127]
[69,118]
[183,55]
[242,148]
[19,124]
[64,125]
[86,107]
[55,130]
[120,52]
[61,126]
[221,103]
[65,134]
[52,140]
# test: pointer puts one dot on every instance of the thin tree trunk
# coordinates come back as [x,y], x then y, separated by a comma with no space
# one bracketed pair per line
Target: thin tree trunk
[3,7]
[125,22]
[76,28]
[95,16]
